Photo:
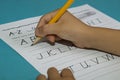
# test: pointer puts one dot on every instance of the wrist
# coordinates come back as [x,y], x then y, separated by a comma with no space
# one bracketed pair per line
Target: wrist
[87,37]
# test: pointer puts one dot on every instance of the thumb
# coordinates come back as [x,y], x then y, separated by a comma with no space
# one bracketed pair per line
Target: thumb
[52,29]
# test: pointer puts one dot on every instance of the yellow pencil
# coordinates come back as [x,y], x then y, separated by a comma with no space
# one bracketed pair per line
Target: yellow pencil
[56,17]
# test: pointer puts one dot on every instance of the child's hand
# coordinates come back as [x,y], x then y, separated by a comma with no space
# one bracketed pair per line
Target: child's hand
[53,74]
[67,27]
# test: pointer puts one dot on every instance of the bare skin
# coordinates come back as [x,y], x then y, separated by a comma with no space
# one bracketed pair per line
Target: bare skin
[70,28]
[53,74]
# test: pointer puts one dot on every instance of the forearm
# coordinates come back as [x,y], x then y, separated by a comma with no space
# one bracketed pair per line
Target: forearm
[106,40]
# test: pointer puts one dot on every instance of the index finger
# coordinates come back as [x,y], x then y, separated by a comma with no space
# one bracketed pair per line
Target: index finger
[46,18]
[43,20]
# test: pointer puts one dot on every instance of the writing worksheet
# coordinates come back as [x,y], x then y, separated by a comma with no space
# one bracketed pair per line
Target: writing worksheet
[85,64]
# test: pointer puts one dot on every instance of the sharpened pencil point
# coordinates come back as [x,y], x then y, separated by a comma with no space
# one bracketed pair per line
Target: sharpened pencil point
[36,41]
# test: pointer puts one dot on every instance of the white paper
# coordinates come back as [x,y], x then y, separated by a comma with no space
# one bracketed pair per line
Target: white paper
[85,64]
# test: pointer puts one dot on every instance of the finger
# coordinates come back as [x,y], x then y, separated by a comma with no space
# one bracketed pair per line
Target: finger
[67,73]
[56,38]
[41,77]
[40,25]
[46,18]
[43,21]
[37,32]
[52,29]
[48,29]
[53,74]
[51,38]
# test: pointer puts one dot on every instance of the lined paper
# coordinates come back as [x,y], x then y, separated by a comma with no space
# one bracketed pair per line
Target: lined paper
[85,64]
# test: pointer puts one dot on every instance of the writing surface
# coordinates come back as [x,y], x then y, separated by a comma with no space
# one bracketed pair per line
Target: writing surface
[84,64]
